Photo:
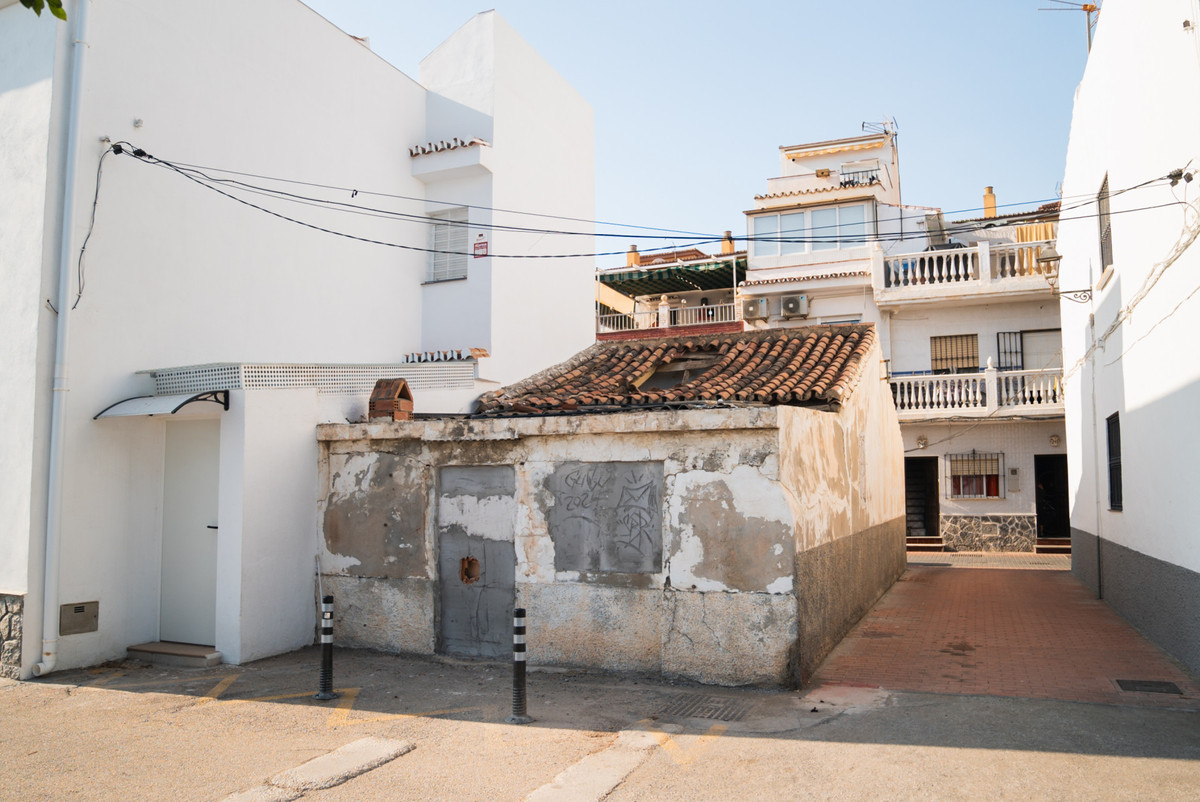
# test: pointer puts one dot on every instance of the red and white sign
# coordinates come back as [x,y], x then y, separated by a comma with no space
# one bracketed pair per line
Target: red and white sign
[480,247]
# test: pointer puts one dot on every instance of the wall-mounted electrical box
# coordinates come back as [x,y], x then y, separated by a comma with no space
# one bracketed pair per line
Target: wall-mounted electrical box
[78,618]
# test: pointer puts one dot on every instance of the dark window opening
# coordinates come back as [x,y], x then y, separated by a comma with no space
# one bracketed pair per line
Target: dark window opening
[1114,462]
[957,353]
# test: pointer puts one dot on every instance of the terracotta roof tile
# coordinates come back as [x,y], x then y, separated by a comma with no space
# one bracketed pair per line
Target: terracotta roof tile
[812,365]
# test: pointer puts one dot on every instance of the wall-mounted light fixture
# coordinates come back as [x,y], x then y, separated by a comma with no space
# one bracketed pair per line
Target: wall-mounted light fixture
[1055,440]
[922,441]
[1048,259]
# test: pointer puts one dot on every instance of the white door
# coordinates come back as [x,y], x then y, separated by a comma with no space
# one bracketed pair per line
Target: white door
[188,611]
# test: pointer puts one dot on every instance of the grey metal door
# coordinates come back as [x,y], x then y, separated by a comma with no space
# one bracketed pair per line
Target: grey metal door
[477,595]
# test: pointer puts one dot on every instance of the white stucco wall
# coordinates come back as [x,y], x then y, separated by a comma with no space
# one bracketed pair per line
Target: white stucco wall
[176,274]
[27,49]
[1135,119]
[268,525]
[543,163]
[910,329]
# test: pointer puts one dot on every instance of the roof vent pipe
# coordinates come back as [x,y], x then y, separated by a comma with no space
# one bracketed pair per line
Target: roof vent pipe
[989,202]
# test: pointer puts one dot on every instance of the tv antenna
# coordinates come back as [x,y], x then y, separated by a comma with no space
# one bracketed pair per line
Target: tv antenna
[1092,10]
[887,126]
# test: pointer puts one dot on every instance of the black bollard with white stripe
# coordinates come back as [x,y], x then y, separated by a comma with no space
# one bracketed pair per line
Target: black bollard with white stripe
[519,716]
[325,688]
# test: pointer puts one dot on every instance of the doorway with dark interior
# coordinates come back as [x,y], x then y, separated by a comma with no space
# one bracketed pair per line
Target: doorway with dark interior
[1053,512]
[921,503]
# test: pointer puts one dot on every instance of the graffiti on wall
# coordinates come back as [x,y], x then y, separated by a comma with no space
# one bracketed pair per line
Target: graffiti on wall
[607,516]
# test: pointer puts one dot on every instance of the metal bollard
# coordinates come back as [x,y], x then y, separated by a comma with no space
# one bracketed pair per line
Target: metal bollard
[519,715]
[325,688]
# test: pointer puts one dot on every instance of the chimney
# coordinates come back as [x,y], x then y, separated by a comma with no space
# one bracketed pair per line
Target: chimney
[989,202]
[633,258]
[727,242]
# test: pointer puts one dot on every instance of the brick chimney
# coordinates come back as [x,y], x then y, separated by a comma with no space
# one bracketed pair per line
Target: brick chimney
[633,258]
[989,202]
[727,243]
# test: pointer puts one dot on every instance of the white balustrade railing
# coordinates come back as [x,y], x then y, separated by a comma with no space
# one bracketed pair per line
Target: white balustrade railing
[1037,388]
[664,318]
[956,269]
[1010,261]
[931,267]
[940,392]
[977,394]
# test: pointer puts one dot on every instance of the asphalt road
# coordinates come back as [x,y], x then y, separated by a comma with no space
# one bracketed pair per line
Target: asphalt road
[131,731]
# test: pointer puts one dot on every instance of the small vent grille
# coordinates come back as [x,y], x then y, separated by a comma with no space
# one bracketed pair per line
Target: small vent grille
[689,705]
[327,379]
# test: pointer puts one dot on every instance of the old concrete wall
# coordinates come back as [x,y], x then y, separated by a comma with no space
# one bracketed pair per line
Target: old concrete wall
[844,474]
[650,541]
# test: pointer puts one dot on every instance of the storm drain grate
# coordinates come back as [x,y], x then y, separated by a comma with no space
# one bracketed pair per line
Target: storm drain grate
[688,705]
[1148,686]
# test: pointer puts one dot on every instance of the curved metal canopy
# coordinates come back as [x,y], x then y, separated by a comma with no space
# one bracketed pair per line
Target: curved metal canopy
[161,404]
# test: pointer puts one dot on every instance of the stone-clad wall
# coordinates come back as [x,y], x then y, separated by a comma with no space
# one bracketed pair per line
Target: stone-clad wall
[11,613]
[989,532]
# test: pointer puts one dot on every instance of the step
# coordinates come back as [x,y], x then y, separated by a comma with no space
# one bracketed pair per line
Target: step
[923,547]
[924,540]
[1053,545]
[168,653]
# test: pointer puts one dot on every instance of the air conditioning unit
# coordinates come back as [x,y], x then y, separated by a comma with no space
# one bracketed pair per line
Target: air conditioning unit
[755,309]
[795,306]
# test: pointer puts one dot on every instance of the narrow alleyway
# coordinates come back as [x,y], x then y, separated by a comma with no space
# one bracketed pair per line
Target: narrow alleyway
[1003,625]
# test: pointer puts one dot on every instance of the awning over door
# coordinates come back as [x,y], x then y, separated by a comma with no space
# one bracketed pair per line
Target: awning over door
[161,404]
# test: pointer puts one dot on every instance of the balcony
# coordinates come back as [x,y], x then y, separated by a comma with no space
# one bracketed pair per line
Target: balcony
[668,321]
[986,271]
[990,393]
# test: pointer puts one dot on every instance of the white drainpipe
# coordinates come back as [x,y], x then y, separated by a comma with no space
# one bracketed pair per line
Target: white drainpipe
[54,492]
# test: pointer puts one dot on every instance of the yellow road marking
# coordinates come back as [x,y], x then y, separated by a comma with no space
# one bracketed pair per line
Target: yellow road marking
[678,753]
[218,689]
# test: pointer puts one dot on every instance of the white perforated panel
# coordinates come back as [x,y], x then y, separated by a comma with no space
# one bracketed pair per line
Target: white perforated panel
[332,379]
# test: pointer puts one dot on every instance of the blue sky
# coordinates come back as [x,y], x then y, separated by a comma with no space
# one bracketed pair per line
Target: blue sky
[693,99]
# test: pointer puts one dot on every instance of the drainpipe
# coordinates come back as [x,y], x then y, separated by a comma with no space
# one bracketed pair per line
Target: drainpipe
[54,493]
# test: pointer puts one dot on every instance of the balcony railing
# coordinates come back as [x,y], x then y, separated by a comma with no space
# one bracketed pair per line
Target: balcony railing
[983,268]
[981,394]
[667,318]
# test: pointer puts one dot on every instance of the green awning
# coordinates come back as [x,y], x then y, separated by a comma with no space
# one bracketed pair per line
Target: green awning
[664,279]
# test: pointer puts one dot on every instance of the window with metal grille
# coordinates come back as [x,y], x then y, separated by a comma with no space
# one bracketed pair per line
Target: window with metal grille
[1105,217]
[1114,462]
[957,353]
[1008,345]
[975,474]
[448,240]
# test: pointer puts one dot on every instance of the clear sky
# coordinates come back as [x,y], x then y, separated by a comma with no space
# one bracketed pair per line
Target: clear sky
[693,99]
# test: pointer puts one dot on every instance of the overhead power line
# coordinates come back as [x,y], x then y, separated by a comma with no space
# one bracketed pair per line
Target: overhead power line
[227,187]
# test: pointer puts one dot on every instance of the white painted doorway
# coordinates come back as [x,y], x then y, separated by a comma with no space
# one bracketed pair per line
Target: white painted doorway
[188,606]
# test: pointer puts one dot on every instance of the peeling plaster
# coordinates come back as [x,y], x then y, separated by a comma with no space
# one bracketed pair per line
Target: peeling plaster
[733,532]
[490,517]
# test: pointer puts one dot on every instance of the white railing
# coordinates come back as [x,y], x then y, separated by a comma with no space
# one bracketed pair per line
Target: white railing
[1009,261]
[958,269]
[667,318]
[1036,388]
[977,394]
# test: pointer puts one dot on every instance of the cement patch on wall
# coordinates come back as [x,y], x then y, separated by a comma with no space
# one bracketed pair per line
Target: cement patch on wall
[375,514]
[728,638]
[837,583]
[607,516]
[573,624]
[391,615]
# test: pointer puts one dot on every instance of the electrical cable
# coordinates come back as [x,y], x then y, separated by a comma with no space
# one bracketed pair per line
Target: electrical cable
[91,225]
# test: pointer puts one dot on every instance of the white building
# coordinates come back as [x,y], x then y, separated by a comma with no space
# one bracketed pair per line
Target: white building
[200,526]
[967,320]
[1133,382]
[969,327]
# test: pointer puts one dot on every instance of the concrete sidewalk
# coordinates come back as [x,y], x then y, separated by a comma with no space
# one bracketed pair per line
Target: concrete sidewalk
[406,728]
